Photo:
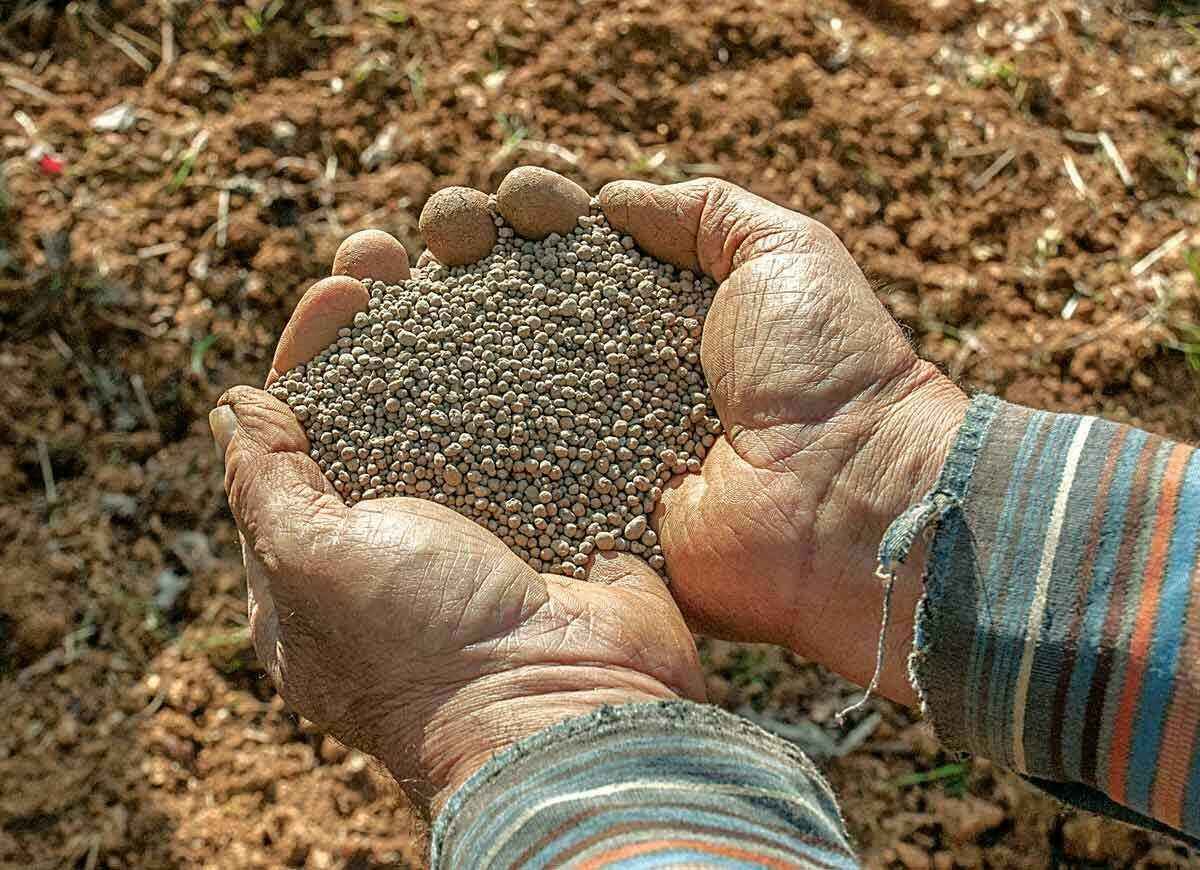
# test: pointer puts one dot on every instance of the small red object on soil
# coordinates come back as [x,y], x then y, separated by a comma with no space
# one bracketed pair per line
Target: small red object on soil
[50,164]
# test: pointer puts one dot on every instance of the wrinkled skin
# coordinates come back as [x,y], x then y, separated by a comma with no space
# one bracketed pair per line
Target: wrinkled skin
[833,428]
[408,631]
[416,635]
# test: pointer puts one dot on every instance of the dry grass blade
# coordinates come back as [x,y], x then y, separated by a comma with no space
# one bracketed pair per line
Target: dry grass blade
[47,468]
[1163,250]
[997,166]
[1075,177]
[1110,150]
[29,89]
[143,400]
[117,41]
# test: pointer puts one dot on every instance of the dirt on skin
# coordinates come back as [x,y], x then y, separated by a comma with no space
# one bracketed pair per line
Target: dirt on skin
[956,147]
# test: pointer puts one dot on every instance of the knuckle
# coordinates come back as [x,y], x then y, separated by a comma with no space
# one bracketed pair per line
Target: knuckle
[239,395]
[267,553]
[270,426]
[714,189]
[717,198]
[246,399]
[280,511]
[820,236]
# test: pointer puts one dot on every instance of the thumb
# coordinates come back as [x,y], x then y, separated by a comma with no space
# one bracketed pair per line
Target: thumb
[278,496]
[709,225]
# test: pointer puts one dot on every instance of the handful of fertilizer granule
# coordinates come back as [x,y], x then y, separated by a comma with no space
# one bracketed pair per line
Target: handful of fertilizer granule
[548,388]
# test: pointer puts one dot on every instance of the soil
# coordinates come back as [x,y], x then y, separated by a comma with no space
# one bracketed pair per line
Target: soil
[146,268]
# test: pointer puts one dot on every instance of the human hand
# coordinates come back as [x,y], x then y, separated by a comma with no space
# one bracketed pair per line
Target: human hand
[833,428]
[403,628]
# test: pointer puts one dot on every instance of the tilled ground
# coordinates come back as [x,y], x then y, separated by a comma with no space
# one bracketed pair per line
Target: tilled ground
[1007,171]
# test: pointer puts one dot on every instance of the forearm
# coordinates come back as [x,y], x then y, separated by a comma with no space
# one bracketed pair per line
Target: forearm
[674,781]
[1059,633]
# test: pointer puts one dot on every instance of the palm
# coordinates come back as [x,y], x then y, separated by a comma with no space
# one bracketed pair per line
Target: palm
[408,631]
[787,394]
[438,582]
[396,610]
[417,576]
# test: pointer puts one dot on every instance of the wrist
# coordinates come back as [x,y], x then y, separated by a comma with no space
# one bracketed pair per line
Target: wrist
[924,411]
[921,417]
[489,715]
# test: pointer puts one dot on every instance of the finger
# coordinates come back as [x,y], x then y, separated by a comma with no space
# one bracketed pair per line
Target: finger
[626,571]
[676,519]
[329,305]
[374,255]
[260,603]
[538,202]
[281,502]
[458,226]
[708,224]
[647,610]
[708,553]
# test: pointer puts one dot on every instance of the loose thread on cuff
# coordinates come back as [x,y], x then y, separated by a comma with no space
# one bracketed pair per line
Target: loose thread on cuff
[894,547]
[889,586]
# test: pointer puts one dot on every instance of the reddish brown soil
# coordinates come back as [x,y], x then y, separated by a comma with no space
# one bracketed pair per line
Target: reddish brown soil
[142,734]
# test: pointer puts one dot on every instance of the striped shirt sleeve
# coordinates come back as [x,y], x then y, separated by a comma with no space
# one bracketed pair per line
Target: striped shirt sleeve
[1060,630]
[668,784]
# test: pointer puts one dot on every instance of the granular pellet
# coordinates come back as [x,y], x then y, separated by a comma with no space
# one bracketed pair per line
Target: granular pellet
[548,392]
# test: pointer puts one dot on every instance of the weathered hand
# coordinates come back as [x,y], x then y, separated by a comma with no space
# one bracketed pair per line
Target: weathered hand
[403,628]
[833,427]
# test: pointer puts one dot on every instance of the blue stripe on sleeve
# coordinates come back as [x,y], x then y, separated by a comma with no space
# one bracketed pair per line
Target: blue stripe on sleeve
[1087,654]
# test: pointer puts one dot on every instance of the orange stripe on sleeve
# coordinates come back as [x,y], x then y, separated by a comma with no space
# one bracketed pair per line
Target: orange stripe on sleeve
[630,850]
[1143,629]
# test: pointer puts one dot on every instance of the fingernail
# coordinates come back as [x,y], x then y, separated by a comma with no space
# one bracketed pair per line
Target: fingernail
[223,423]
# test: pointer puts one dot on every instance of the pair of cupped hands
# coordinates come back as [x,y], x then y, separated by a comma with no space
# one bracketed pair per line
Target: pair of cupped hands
[414,634]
